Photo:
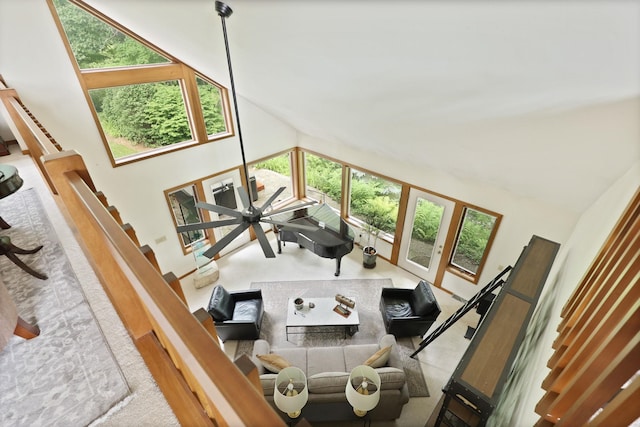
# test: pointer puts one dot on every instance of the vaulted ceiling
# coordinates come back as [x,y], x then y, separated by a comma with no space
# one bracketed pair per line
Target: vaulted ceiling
[537,97]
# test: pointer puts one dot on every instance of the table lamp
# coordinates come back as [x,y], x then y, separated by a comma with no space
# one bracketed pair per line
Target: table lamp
[290,393]
[363,389]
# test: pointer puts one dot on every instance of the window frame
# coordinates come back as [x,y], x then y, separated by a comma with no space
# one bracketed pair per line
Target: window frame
[305,183]
[203,213]
[389,238]
[186,76]
[459,216]
[294,171]
[181,238]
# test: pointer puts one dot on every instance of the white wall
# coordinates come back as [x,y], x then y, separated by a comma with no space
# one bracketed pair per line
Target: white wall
[522,217]
[33,61]
[36,64]
[572,262]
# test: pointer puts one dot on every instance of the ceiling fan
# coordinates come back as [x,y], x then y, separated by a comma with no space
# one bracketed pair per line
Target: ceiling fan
[251,215]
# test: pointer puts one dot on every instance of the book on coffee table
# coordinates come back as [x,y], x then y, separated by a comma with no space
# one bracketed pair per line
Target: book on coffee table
[342,311]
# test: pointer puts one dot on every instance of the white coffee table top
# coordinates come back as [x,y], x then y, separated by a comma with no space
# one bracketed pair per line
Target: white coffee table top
[321,315]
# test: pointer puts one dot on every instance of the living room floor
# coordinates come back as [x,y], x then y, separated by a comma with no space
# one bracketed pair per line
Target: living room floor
[237,270]
[247,264]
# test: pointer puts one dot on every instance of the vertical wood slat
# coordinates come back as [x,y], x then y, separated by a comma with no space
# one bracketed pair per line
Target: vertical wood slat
[151,256]
[607,381]
[131,232]
[622,409]
[177,392]
[115,214]
[618,231]
[591,314]
[593,335]
[206,320]
[174,284]
[599,346]
[611,267]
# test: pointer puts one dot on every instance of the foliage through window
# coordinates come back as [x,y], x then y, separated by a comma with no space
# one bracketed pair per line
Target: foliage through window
[324,180]
[374,201]
[96,44]
[269,175]
[473,237]
[140,96]
[211,101]
[426,224]
[137,118]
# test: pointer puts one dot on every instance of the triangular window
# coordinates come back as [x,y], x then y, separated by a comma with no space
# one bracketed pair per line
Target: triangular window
[145,102]
[96,44]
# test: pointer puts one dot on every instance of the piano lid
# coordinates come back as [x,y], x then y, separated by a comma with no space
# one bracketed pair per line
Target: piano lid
[323,215]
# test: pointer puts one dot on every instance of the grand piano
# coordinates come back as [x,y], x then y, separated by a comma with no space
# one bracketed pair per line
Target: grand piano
[331,237]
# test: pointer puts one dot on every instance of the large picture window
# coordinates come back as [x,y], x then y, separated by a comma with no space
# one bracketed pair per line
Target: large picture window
[145,102]
[374,201]
[324,180]
[268,175]
[475,233]
[139,118]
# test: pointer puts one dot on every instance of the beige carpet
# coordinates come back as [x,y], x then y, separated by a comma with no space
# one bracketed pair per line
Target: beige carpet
[67,375]
[366,293]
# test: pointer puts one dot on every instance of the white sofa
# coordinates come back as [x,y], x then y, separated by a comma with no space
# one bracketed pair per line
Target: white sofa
[327,370]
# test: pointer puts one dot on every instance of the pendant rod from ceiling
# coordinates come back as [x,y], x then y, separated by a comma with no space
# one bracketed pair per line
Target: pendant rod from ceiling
[225,11]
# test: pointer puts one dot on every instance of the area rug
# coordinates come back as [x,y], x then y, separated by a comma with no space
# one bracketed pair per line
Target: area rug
[66,376]
[366,293]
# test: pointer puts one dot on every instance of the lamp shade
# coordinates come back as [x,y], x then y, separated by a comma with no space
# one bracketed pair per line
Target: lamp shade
[290,393]
[363,389]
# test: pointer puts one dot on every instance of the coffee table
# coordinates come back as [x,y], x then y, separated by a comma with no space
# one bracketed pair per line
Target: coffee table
[320,318]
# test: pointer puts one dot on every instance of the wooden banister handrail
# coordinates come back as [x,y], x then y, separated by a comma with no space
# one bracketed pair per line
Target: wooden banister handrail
[145,302]
[46,145]
[38,143]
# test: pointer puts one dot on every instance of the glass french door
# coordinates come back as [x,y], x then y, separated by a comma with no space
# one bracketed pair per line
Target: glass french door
[424,233]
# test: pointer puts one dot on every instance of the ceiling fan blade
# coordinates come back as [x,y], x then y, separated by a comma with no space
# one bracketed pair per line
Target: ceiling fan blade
[291,208]
[204,225]
[264,241]
[244,197]
[272,198]
[290,225]
[222,243]
[219,209]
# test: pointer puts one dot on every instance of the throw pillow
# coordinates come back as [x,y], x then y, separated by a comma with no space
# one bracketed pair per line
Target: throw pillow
[379,358]
[273,362]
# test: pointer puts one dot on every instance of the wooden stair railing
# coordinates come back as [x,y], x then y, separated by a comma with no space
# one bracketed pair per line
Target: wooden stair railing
[170,278]
[38,141]
[202,385]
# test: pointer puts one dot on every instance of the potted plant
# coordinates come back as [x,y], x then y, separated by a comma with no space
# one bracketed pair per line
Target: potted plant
[376,215]
[370,253]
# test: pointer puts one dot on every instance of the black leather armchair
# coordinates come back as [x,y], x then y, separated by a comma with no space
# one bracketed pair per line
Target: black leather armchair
[409,312]
[237,315]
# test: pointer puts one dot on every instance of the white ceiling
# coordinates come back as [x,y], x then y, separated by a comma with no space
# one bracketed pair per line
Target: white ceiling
[493,91]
